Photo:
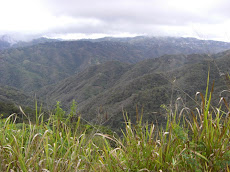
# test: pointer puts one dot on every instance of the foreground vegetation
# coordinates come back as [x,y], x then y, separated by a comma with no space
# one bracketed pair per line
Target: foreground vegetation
[191,141]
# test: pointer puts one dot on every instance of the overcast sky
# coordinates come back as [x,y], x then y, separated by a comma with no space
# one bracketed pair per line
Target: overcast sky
[70,19]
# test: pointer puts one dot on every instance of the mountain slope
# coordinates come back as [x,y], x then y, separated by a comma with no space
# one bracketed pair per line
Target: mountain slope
[102,91]
[30,68]
[11,99]
[4,45]
[158,46]
[12,95]
[33,67]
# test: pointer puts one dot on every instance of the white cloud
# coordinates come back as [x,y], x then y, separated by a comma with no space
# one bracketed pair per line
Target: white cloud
[75,36]
[106,17]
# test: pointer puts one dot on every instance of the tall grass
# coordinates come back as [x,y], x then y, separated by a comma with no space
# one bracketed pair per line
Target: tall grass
[44,146]
[191,141]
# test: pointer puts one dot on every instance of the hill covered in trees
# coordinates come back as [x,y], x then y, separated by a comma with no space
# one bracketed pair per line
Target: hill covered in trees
[107,75]
[104,91]
[47,62]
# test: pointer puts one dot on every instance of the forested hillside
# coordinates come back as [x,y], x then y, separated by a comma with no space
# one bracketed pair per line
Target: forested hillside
[107,76]
[107,89]
[48,61]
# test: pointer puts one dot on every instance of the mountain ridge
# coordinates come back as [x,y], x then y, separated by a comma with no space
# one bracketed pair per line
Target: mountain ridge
[146,84]
[32,67]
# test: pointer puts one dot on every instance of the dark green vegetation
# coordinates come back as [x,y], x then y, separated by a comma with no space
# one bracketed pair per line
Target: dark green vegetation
[191,141]
[103,91]
[11,99]
[9,94]
[107,75]
[32,67]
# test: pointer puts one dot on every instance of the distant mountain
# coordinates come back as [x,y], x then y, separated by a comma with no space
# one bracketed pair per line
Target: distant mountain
[4,45]
[102,91]
[44,62]
[41,40]
[158,46]
[33,67]
[7,41]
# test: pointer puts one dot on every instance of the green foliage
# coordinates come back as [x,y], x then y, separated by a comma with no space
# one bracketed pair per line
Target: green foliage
[190,141]
[6,109]
[109,88]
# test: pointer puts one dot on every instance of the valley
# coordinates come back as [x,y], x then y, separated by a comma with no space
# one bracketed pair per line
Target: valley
[110,76]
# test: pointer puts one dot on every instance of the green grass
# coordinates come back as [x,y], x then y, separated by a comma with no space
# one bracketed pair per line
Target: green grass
[195,140]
